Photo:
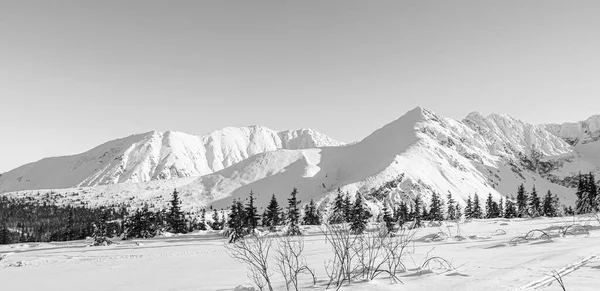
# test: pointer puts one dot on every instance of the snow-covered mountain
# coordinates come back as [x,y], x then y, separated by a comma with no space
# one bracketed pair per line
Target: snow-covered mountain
[418,153]
[158,156]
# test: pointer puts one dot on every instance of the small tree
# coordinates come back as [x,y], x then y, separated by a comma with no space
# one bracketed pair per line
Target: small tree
[175,218]
[452,215]
[469,208]
[387,219]
[347,208]
[237,221]
[4,235]
[251,214]
[522,201]
[216,223]
[477,213]
[491,207]
[272,215]
[510,209]
[337,213]
[534,203]
[359,216]
[293,214]
[436,211]
[311,214]
[416,211]
[401,214]
[548,207]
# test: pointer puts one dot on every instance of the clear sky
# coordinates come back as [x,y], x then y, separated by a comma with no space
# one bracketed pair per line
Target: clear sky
[75,74]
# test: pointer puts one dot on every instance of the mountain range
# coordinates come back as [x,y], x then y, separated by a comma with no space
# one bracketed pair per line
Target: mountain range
[419,153]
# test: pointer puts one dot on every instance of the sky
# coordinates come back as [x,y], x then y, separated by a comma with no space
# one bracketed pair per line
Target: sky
[75,74]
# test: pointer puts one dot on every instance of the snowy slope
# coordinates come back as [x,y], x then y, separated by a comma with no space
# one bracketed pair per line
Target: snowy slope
[157,156]
[421,150]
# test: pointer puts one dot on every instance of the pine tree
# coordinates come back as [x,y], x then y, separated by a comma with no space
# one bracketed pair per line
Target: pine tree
[534,203]
[436,211]
[175,218]
[452,215]
[237,220]
[469,208]
[202,223]
[311,214]
[387,219]
[458,212]
[337,213]
[510,209]
[359,216]
[548,208]
[272,215]
[477,213]
[416,211]
[401,215]
[251,214]
[501,207]
[491,207]
[347,208]
[581,195]
[70,232]
[293,214]
[216,224]
[522,201]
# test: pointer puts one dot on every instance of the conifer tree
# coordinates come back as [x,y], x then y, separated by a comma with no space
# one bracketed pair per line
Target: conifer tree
[416,210]
[387,219]
[510,209]
[237,220]
[548,208]
[534,203]
[452,215]
[311,214]
[436,211]
[458,212]
[359,216]
[477,213]
[216,223]
[501,207]
[202,223]
[175,218]
[522,201]
[272,215]
[293,214]
[401,215]
[491,207]
[251,213]
[337,213]
[469,208]
[347,208]
[70,233]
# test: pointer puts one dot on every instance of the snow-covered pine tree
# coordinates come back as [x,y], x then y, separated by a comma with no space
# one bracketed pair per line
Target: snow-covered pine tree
[477,213]
[337,213]
[593,193]
[469,208]
[216,223]
[452,215]
[491,207]
[347,208]
[311,214]
[175,217]
[387,219]
[237,220]
[510,209]
[272,214]
[251,213]
[359,216]
[501,207]
[416,210]
[534,203]
[458,211]
[293,214]
[548,209]
[436,211]
[522,201]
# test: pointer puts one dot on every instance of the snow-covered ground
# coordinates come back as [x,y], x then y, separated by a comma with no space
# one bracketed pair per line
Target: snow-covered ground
[484,260]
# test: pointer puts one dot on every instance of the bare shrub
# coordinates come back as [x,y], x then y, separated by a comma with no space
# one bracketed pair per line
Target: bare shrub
[253,251]
[343,265]
[290,261]
[369,255]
